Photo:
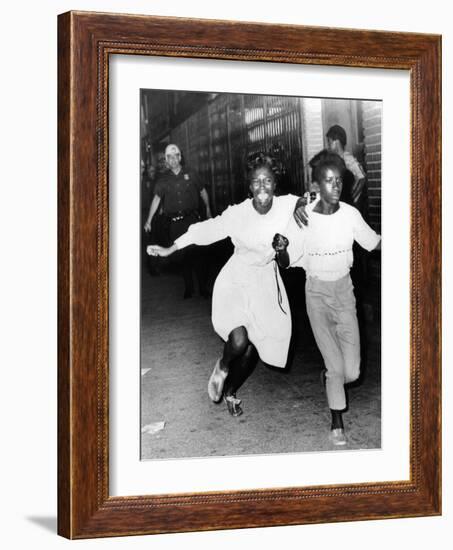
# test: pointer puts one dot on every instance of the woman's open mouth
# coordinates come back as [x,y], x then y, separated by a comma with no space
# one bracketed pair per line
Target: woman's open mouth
[262,197]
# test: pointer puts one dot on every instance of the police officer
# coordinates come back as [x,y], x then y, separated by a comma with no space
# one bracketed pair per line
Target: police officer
[179,191]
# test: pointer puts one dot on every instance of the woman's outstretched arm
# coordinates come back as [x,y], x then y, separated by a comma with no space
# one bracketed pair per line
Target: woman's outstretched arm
[201,233]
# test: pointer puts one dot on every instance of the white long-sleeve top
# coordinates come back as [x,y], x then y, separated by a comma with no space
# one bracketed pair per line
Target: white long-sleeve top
[324,248]
[250,232]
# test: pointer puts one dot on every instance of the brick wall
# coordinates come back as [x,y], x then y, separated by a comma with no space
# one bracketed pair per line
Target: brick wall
[372,132]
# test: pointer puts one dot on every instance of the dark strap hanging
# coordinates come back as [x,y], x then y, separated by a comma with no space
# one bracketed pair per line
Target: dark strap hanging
[279,292]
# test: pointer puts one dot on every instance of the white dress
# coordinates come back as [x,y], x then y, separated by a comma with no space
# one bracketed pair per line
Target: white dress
[249,291]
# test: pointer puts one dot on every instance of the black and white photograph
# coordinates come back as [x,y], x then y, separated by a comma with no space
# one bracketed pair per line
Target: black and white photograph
[175,373]
[260,295]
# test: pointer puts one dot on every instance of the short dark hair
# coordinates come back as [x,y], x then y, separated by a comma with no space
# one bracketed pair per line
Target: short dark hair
[323,160]
[337,132]
[262,160]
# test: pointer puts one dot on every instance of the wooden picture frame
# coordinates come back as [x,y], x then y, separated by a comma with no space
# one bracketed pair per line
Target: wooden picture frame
[85,41]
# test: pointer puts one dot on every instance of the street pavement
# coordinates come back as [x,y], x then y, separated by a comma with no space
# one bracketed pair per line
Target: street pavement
[285,410]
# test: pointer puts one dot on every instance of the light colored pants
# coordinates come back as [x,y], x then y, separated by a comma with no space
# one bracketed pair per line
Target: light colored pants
[332,312]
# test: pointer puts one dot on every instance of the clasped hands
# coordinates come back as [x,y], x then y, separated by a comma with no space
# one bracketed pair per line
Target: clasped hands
[279,243]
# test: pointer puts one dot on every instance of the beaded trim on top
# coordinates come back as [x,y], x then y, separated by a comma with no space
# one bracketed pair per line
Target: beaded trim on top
[330,253]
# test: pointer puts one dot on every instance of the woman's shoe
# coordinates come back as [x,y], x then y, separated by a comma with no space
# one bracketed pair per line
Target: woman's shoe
[233,404]
[337,436]
[216,382]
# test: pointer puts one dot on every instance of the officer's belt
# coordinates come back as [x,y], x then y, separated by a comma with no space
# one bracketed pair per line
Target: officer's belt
[180,215]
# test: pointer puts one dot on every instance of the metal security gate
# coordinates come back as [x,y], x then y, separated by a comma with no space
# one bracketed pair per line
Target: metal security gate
[217,140]
[274,124]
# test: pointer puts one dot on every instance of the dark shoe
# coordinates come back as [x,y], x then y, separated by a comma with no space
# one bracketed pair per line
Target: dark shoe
[233,404]
[204,293]
[216,382]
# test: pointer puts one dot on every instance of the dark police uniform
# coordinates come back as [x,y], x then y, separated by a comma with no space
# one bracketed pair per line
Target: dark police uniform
[180,197]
